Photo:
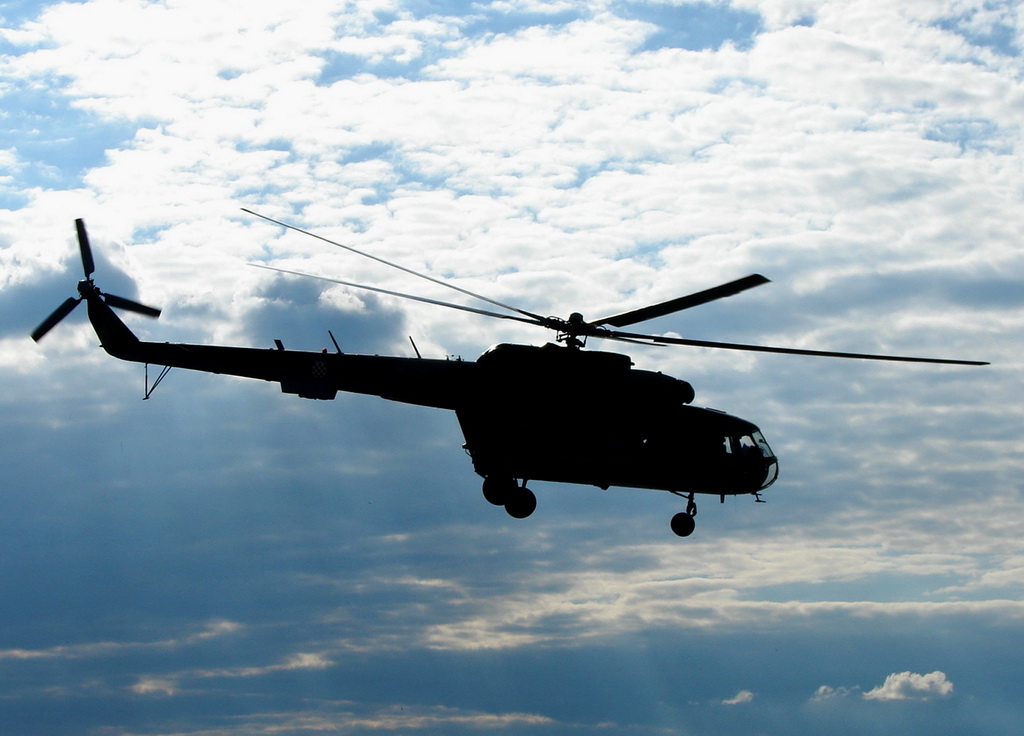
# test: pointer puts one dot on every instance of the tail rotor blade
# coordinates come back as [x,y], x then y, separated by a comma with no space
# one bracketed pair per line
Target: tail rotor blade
[121,303]
[58,314]
[88,264]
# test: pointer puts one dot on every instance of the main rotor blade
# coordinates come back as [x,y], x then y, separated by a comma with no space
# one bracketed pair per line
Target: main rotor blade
[58,314]
[683,302]
[530,321]
[121,303]
[785,351]
[446,284]
[88,264]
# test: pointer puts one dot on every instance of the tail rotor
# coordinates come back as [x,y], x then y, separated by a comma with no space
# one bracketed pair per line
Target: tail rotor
[86,289]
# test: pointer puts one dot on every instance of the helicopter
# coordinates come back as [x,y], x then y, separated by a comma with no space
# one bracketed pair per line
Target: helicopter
[556,412]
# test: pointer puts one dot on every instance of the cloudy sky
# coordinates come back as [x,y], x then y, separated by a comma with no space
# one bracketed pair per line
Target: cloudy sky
[226,559]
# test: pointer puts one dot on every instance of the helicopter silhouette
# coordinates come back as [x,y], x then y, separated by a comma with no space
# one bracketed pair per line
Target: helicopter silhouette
[556,412]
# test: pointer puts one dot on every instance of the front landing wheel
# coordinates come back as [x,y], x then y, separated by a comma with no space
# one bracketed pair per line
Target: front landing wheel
[683,524]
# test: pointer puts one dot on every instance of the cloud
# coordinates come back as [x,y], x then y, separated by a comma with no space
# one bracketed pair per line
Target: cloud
[155,686]
[401,719]
[648,587]
[349,717]
[300,661]
[299,311]
[170,683]
[897,686]
[212,630]
[912,686]
[743,696]
[827,692]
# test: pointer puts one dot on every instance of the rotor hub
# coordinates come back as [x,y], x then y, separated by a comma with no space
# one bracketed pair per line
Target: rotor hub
[87,287]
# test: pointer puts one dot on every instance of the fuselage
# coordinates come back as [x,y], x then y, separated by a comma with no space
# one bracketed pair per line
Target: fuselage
[543,413]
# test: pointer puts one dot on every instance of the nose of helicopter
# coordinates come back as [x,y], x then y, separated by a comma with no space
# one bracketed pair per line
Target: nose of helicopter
[771,472]
[761,461]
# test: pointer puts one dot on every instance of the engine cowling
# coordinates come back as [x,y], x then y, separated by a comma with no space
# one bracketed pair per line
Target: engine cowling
[685,391]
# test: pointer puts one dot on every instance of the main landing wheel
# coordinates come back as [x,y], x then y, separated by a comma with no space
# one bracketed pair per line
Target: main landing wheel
[518,501]
[521,504]
[498,490]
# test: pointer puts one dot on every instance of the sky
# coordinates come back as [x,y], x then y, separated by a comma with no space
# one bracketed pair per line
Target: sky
[226,559]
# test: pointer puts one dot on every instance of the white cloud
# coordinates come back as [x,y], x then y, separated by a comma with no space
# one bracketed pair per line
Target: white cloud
[155,686]
[347,716]
[170,683]
[400,718]
[827,692]
[912,686]
[212,630]
[299,661]
[530,139]
[743,696]
[9,165]
[897,686]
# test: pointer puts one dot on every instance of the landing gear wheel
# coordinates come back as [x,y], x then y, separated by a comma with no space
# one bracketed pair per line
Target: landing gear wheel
[498,489]
[521,504]
[683,524]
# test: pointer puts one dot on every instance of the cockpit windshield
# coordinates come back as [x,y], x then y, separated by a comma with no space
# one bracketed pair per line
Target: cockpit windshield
[754,447]
[750,445]
[762,444]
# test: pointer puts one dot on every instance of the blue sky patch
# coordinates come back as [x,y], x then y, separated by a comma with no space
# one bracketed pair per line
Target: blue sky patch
[58,141]
[695,26]
[992,31]
[970,135]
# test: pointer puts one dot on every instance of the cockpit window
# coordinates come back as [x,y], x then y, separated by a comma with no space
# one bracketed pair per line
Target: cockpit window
[753,444]
[762,444]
